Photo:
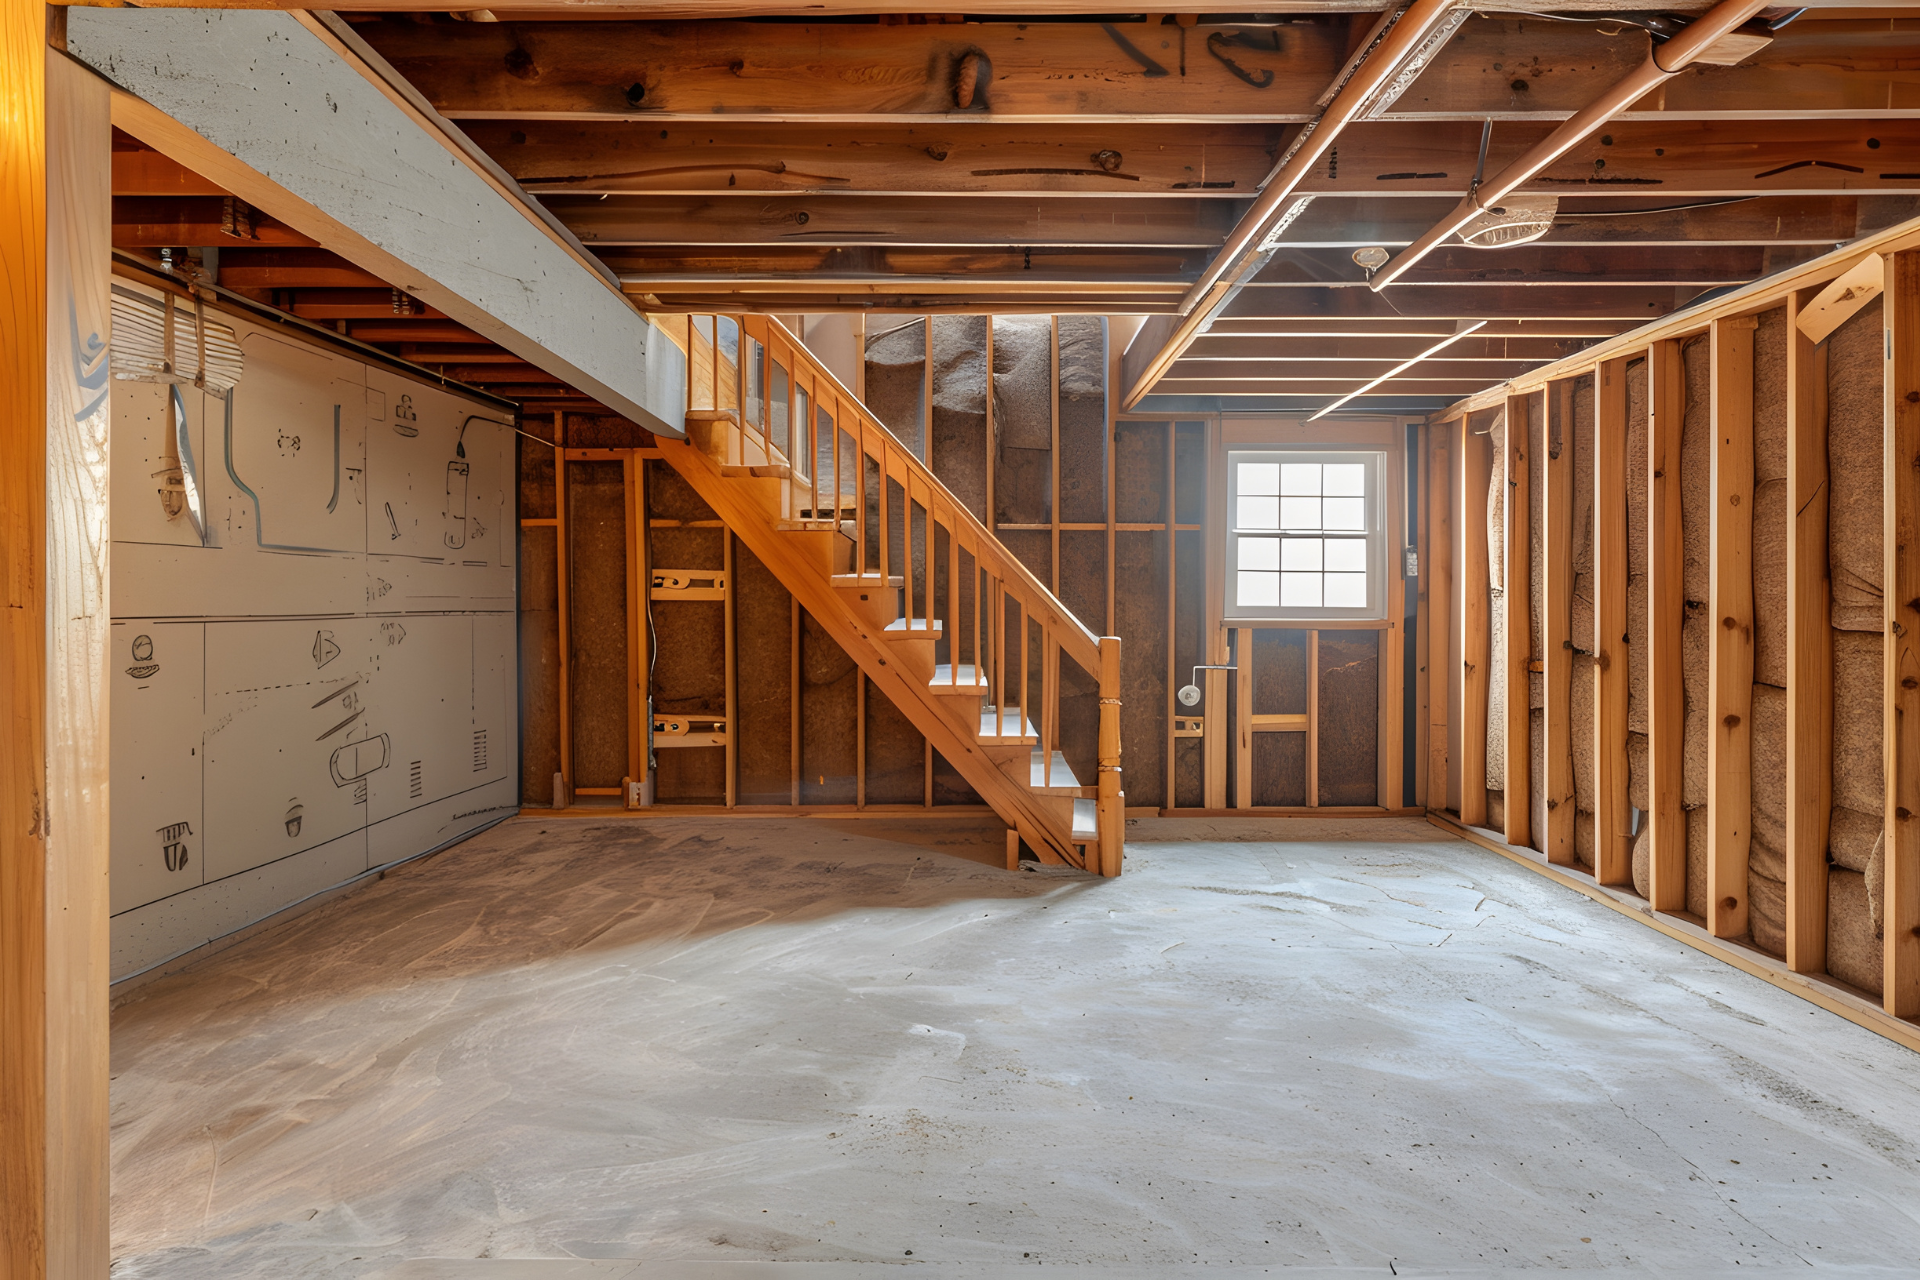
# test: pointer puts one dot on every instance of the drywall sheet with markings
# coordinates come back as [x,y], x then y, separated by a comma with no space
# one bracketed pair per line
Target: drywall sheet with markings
[313,634]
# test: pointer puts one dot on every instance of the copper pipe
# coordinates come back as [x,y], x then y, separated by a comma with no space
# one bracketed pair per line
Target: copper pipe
[1663,63]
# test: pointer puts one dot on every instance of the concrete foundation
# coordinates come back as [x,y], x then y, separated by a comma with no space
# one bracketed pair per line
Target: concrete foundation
[831,1041]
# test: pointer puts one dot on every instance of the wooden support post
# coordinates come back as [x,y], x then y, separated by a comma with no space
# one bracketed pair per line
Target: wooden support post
[1730,606]
[1174,684]
[1214,636]
[1112,814]
[1243,718]
[1613,859]
[639,588]
[1390,788]
[1556,624]
[732,676]
[1809,649]
[1313,719]
[55,239]
[1423,644]
[564,612]
[1515,665]
[1442,656]
[1901,539]
[1053,456]
[1470,500]
[1666,609]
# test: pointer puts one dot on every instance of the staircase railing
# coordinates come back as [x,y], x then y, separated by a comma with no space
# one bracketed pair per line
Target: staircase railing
[775,410]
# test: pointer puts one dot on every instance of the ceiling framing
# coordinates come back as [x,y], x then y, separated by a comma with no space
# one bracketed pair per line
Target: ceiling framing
[1093,162]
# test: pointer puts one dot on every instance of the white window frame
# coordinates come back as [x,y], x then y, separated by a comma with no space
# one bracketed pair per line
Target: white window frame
[1375,460]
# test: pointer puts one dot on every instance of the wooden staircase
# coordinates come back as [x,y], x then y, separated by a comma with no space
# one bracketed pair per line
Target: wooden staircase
[945,620]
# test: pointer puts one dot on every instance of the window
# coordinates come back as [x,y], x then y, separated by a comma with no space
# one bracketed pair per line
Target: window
[1305,536]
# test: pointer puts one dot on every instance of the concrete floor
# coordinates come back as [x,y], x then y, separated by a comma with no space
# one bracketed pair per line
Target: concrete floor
[827,1041]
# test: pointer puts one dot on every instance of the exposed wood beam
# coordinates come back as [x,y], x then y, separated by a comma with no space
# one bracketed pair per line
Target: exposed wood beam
[1077,70]
[142,221]
[1533,264]
[465,240]
[1398,326]
[1451,302]
[832,219]
[1227,351]
[748,158]
[415,331]
[1413,385]
[294,269]
[1352,222]
[354,304]
[1658,160]
[1441,368]
[1112,265]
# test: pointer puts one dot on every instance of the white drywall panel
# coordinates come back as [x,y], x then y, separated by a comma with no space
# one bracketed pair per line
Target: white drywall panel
[307,695]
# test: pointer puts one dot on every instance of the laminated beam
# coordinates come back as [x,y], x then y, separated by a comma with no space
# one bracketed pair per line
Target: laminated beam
[344,157]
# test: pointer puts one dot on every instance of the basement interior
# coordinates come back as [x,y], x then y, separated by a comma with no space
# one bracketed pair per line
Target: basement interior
[724,641]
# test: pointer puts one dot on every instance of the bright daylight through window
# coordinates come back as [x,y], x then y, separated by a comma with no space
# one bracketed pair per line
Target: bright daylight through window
[1306,540]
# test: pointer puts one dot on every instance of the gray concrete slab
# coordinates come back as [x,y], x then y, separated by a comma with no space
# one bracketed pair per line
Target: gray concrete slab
[695,1049]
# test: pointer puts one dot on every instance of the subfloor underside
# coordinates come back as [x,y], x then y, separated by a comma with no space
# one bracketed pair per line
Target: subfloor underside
[1298,1043]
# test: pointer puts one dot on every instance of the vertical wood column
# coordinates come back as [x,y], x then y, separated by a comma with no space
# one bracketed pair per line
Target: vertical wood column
[1213,634]
[1612,858]
[1730,606]
[1422,640]
[54,241]
[1516,663]
[1441,656]
[1243,718]
[1901,539]
[1470,501]
[26,1131]
[1556,627]
[563,613]
[1666,608]
[1809,649]
[639,591]
[1390,785]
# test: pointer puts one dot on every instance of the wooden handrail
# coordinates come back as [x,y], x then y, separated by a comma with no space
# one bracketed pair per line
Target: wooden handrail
[893,457]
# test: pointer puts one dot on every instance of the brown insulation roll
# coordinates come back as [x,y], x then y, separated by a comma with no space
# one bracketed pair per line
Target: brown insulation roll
[1854,515]
[1580,439]
[1858,773]
[1696,634]
[1496,446]
[539,665]
[1767,844]
[763,646]
[597,633]
[958,449]
[1770,500]
[1536,612]
[1854,837]
[897,382]
[1349,727]
[1083,419]
[1637,647]
[1023,419]
[1279,688]
[1853,944]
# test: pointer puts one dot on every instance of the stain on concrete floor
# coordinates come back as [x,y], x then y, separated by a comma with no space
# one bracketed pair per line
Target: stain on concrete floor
[829,1041]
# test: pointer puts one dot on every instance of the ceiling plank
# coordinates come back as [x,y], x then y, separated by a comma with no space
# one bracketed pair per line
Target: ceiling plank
[149,221]
[1698,158]
[831,219]
[1504,68]
[295,269]
[644,71]
[749,158]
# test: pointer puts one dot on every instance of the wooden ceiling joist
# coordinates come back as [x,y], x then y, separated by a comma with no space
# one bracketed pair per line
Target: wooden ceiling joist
[1497,67]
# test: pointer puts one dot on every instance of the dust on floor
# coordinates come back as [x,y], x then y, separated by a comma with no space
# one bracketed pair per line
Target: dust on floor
[831,1041]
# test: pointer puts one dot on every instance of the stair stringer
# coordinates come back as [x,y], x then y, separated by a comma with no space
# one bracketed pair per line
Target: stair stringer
[747,506]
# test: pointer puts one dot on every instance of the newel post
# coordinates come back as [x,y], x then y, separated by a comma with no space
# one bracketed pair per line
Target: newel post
[1113,805]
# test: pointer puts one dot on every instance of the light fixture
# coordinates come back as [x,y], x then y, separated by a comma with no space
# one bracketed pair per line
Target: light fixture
[1190,696]
[1515,220]
[1371,258]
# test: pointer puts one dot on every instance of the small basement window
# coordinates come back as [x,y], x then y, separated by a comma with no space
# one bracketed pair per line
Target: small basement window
[1306,536]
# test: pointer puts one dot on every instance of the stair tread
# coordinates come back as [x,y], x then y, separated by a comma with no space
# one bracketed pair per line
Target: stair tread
[968,681]
[1007,723]
[866,581]
[917,626]
[1062,779]
[760,470]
